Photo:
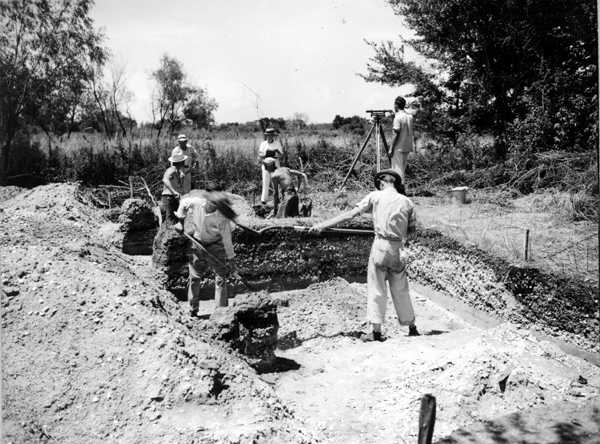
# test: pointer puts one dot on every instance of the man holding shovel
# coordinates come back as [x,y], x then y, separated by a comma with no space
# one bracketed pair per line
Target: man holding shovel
[212,246]
[393,222]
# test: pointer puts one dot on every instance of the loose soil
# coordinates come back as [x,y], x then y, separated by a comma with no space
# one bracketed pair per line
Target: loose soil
[94,349]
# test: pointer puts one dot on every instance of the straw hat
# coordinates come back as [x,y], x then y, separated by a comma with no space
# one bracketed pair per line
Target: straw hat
[182,138]
[177,155]
[390,172]
[270,132]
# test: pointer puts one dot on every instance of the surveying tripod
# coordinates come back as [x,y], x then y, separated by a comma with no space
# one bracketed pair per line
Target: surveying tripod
[376,127]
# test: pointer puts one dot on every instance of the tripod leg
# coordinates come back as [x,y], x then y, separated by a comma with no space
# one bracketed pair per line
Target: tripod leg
[386,147]
[357,156]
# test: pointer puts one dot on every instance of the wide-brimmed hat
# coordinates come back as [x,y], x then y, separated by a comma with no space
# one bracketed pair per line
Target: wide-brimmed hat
[270,132]
[177,155]
[390,172]
[182,138]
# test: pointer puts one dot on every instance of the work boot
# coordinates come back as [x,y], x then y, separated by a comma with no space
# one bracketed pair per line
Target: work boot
[194,313]
[374,336]
[412,330]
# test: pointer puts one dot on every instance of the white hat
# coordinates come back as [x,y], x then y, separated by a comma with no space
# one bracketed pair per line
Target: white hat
[182,138]
[177,155]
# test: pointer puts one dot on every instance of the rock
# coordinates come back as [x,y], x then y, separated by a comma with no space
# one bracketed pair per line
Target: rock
[250,326]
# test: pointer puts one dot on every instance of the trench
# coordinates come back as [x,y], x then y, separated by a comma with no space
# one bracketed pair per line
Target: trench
[277,260]
[344,390]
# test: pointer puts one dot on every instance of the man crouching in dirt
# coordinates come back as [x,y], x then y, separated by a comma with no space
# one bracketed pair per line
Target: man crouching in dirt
[212,229]
[393,221]
[285,195]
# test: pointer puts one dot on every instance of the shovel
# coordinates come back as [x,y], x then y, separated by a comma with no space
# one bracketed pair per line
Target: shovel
[303,229]
[218,261]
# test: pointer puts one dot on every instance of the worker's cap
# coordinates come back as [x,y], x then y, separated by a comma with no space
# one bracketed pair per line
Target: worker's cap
[222,203]
[270,132]
[182,138]
[393,174]
[177,155]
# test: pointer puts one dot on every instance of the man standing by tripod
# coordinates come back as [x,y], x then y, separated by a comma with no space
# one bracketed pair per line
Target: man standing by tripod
[404,137]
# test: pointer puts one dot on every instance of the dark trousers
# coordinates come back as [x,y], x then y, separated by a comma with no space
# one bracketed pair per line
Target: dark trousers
[169,204]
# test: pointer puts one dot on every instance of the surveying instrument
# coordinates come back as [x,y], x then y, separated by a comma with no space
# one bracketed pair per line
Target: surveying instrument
[376,127]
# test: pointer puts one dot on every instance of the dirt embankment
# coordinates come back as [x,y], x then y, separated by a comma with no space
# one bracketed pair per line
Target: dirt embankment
[94,351]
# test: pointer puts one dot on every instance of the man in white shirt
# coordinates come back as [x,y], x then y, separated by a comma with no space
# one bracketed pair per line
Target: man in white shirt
[394,223]
[191,162]
[404,138]
[213,230]
[269,148]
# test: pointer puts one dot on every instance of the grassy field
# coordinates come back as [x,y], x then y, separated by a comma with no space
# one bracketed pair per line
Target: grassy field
[556,242]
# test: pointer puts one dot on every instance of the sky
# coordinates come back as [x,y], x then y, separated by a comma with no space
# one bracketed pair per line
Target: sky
[297,56]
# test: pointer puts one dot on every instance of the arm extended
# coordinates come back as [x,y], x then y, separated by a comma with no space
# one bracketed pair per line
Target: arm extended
[348,215]
[167,182]
[302,179]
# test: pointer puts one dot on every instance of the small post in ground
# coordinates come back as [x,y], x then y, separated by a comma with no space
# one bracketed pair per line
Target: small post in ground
[426,419]
[526,245]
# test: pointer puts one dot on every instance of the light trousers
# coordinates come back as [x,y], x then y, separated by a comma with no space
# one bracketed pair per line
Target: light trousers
[199,261]
[399,162]
[378,279]
[266,183]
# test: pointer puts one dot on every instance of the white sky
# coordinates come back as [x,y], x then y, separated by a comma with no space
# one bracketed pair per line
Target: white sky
[298,55]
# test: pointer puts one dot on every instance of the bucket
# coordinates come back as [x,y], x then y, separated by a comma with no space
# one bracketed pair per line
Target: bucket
[459,195]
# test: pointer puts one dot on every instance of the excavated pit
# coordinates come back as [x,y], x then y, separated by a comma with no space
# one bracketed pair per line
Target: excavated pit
[123,361]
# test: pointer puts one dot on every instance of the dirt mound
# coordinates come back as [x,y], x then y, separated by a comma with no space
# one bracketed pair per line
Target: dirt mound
[95,351]
[250,326]
[136,215]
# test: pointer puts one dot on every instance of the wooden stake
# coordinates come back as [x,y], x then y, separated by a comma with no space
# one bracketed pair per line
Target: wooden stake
[526,246]
[130,187]
[426,419]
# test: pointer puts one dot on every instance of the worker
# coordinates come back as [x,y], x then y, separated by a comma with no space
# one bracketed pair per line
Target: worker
[173,184]
[404,138]
[268,148]
[285,194]
[393,223]
[211,227]
[191,163]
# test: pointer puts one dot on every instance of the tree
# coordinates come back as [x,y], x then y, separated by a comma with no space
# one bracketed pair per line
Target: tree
[47,49]
[492,53]
[175,100]
[199,108]
[105,105]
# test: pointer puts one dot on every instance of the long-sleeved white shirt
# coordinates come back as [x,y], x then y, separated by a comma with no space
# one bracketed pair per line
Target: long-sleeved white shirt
[208,227]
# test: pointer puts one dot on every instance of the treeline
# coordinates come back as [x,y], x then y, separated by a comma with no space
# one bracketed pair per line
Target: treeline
[57,76]
[524,73]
